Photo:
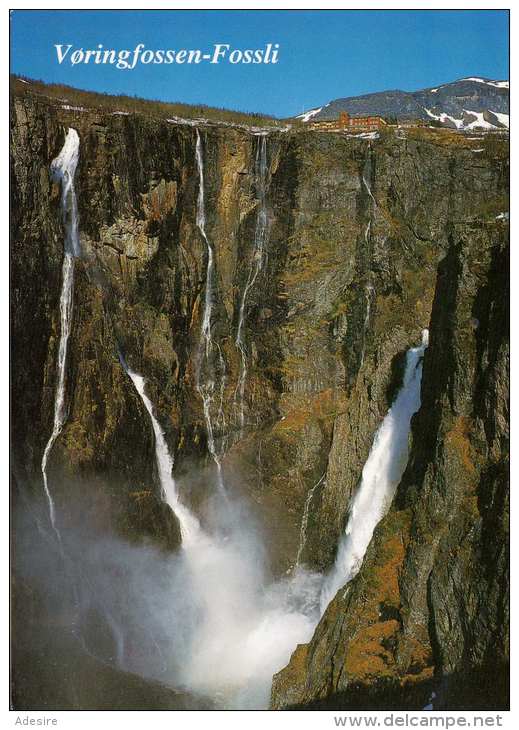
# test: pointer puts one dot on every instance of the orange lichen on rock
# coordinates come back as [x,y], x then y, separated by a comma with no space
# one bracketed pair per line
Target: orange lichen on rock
[457,443]
[367,656]
[369,653]
[292,677]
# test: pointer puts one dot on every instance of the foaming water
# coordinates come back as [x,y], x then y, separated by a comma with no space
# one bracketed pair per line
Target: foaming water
[63,169]
[380,477]
[247,629]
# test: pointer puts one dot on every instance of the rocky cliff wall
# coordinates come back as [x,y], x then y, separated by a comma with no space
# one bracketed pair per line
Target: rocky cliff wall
[365,239]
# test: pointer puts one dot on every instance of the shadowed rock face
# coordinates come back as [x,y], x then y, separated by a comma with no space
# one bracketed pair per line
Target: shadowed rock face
[368,242]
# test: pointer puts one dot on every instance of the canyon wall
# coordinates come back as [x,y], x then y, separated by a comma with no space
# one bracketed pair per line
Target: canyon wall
[368,242]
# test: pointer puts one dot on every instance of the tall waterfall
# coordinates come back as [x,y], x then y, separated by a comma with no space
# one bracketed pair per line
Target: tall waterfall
[380,477]
[206,375]
[258,258]
[224,628]
[189,526]
[63,169]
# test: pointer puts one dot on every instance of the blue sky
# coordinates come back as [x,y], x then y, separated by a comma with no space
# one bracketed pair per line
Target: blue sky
[323,54]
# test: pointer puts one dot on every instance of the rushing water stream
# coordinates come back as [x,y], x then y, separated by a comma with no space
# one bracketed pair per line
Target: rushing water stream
[189,526]
[380,477]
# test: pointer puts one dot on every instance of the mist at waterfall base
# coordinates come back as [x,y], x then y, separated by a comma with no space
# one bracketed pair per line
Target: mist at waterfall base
[239,628]
[208,619]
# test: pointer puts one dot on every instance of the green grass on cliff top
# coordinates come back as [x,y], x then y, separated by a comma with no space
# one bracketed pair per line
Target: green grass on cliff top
[133,104]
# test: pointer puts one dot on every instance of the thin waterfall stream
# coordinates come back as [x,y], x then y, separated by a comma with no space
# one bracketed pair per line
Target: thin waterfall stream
[304,521]
[206,375]
[258,259]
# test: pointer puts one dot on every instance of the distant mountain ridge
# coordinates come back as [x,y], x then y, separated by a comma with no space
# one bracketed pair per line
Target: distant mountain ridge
[473,102]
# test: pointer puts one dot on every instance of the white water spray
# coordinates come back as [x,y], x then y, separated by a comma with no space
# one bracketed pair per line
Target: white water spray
[258,259]
[206,377]
[63,169]
[380,477]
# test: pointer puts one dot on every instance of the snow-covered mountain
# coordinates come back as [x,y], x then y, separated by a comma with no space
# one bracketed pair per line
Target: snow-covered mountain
[469,103]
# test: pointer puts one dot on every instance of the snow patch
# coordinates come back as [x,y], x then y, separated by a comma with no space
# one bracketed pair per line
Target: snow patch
[503,118]
[120,113]
[202,122]
[189,122]
[503,216]
[22,81]
[497,84]
[444,117]
[368,135]
[306,116]
[480,122]
[73,108]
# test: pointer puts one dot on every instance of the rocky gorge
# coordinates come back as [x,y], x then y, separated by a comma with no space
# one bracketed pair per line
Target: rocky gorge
[271,333]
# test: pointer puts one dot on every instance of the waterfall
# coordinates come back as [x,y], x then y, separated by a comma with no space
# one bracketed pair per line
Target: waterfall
[366,177]
[257,262]
[63,169]
[233,631]
[200,222]
[380,476]
[304,521]
[206,376]
[189,526]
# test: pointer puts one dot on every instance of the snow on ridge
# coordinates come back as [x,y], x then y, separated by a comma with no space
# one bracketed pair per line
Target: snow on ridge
[22,81]
[308,115]
[203,122]
[479,123]
[498,84]
[189,122]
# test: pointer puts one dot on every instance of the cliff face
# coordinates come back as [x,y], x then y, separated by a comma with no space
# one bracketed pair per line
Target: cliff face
[366,241]
[428,611]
